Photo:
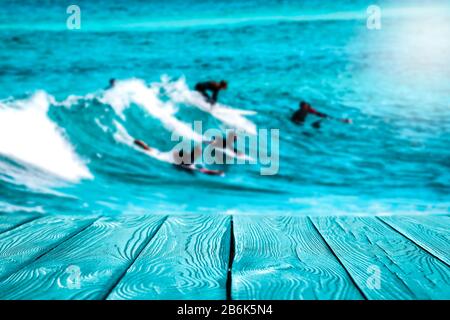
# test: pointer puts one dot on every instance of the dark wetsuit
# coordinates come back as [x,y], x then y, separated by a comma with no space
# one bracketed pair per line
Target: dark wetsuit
[189,161]
[204,87]
[189,165]
[234,144]
[300,115]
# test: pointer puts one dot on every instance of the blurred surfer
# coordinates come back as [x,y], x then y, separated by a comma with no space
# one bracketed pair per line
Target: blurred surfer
[182,160]
[210,90]
[112,83]
[227,143]
[305,109]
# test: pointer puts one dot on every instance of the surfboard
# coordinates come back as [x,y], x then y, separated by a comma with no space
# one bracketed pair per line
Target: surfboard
[163,156]
[193,168]
[225,109]
[229,116]
[232,117]
[211,172]
[231,153]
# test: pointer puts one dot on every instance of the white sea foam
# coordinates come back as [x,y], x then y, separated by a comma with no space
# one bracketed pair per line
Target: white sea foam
[9,208]
[135,91]
[179,92]
[27,134]
[124,137]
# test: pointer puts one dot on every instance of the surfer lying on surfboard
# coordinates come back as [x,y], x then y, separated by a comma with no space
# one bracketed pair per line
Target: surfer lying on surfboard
[183,161]
[213,87]
[305,109]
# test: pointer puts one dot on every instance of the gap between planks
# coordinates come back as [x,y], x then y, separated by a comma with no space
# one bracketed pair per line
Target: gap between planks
[49,249]
[230,260]
[338,260]
[31,218]
[393,227]
[147,242]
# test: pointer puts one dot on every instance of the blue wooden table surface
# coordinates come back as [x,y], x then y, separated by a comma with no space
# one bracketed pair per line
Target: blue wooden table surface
[224,257]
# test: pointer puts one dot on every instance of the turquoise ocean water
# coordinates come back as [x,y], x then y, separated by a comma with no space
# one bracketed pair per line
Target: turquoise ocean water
[60,145]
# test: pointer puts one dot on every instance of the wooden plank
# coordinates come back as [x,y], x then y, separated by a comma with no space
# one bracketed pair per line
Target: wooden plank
[9,221]
[88,265]
[383,263]
[430,232]
[22,245]
[286,258]
[187,259]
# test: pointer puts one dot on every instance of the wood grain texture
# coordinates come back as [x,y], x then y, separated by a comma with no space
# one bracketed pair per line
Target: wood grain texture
[430,232]
[371,250]
[88,265]
[187,259]
[22,245]
[9,221]
[285,258]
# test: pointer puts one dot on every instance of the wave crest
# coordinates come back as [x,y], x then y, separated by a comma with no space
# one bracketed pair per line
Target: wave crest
[28,135]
